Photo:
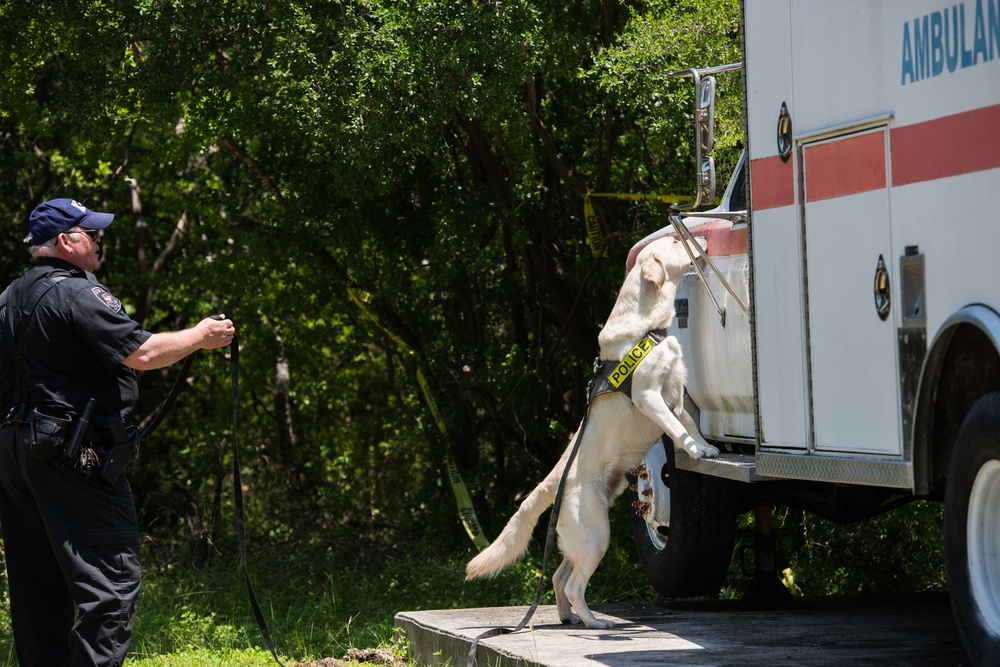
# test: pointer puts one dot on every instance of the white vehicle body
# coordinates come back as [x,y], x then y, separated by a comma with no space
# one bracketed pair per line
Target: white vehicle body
[869,266]
[896,155]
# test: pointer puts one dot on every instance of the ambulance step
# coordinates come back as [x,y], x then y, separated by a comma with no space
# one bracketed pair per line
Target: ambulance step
[737,467]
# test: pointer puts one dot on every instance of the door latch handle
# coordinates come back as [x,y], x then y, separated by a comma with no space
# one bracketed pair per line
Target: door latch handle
[882,300]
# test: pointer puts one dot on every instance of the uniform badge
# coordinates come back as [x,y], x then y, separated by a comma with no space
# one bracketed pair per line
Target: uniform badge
[107,298]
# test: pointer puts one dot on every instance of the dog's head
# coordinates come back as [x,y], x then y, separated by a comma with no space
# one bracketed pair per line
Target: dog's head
[666,260]
[646,299]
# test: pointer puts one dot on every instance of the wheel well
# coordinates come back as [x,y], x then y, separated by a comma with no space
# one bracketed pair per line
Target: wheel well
[963,365]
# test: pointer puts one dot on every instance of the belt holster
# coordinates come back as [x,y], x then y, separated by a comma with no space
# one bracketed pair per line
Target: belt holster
[126,445]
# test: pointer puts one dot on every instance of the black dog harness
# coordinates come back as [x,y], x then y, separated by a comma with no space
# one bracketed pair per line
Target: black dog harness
[612,376]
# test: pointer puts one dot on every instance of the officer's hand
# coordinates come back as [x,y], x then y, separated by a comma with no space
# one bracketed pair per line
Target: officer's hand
[217,331]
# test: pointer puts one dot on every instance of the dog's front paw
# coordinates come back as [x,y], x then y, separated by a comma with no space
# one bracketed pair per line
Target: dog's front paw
[598,624]
[698,450]
[709,452]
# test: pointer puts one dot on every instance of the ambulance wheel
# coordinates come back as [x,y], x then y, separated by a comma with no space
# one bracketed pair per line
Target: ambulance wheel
[972,531]
[683,523]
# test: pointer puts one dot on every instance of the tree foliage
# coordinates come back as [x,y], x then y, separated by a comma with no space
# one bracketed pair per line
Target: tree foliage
[267,160]
[368,188]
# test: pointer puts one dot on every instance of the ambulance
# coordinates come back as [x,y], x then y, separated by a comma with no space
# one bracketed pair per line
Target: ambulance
[842,329]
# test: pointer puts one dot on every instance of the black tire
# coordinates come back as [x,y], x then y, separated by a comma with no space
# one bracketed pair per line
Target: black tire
[973,491]
[692,557]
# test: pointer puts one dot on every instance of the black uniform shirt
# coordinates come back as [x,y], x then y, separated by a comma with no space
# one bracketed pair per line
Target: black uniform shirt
[73,344]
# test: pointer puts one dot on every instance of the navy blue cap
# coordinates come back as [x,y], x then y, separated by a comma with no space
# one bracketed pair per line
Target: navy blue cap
[55,216]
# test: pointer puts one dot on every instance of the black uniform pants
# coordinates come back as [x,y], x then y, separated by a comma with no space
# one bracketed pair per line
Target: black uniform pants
[72,551]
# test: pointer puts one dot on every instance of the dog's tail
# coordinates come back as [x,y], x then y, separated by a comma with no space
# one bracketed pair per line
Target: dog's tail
[512,543]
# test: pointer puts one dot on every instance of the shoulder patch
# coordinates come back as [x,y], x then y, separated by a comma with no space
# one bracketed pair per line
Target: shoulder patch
[107,298]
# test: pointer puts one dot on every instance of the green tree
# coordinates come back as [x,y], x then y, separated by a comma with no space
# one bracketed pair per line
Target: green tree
[265,157]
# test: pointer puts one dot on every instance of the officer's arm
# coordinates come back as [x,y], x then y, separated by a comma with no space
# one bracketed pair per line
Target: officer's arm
[163,349]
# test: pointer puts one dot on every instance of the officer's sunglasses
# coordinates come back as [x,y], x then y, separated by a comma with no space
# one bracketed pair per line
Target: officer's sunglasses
[94,234]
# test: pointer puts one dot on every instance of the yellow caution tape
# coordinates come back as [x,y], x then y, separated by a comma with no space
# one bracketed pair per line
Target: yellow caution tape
[466,511]
[595,238]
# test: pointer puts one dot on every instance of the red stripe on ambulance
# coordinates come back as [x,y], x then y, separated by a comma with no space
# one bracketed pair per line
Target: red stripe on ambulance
[845,167]
[949,146]
[962,143]
[772,183]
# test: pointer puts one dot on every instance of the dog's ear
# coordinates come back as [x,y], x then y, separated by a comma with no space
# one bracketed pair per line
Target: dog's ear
[653,270]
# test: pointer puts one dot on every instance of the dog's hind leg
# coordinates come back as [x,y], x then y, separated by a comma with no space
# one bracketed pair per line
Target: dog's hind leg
[559,579]
[585,544]
[576,590]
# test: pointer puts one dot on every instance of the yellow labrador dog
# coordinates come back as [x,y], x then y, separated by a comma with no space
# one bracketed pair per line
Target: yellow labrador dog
[618,433]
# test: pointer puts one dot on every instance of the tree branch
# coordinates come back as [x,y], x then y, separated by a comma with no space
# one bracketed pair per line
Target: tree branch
[237,150]
[549,147]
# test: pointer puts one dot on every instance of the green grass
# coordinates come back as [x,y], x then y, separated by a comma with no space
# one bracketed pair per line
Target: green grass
[321,600]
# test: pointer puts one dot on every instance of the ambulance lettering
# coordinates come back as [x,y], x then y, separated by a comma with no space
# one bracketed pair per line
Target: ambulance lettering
[937,41]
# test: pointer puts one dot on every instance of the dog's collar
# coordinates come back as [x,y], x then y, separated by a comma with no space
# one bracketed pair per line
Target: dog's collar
[610,376]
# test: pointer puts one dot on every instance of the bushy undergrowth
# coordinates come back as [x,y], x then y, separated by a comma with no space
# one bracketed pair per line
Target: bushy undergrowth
[899,552]
[324,597]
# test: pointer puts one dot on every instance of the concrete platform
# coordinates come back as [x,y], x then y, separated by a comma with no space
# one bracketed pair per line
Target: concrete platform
[912,631]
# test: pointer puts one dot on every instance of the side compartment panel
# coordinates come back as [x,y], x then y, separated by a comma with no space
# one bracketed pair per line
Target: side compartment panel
[853,350]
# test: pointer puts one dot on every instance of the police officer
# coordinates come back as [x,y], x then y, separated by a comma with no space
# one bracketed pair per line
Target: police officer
[67,391]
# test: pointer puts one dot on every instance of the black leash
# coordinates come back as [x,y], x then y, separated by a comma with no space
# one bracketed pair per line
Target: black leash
[234,381]
[171,395]
[549,539]
[234,352]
